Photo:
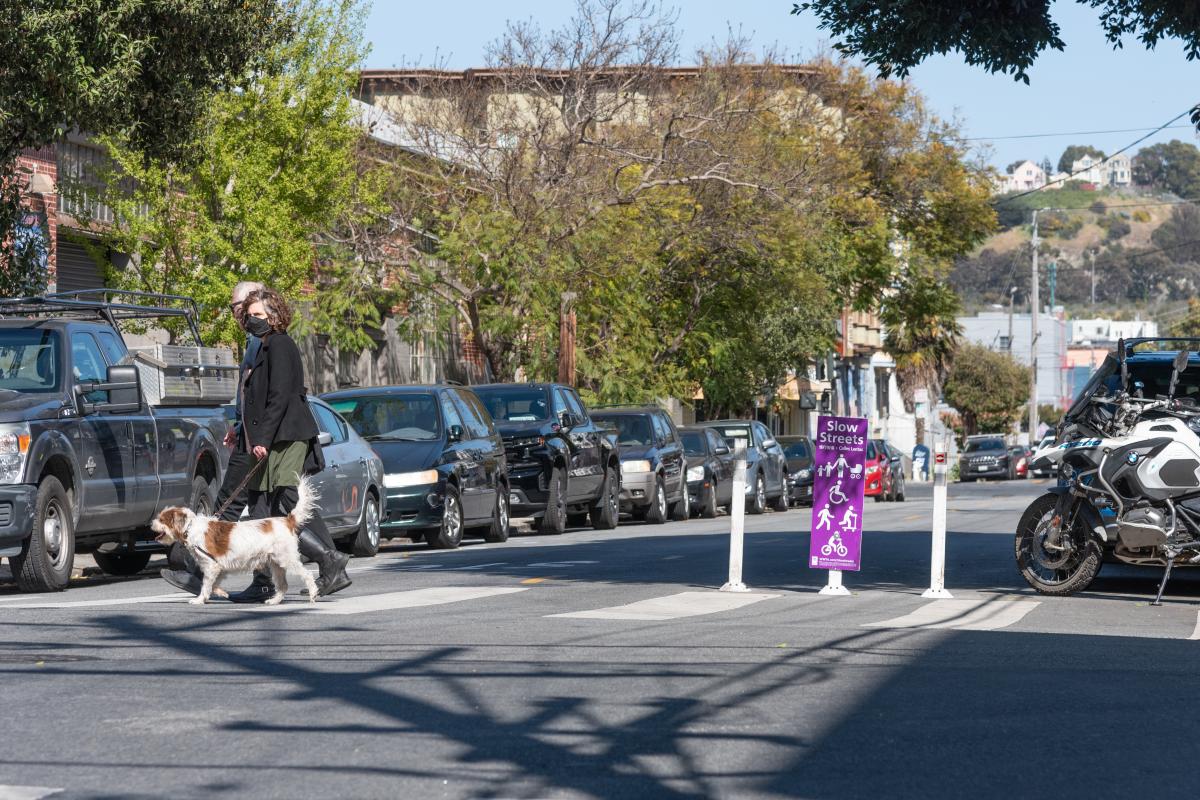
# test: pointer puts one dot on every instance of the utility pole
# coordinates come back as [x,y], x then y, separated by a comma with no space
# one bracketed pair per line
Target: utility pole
[1092,254]
[1033,338]
[1012,298]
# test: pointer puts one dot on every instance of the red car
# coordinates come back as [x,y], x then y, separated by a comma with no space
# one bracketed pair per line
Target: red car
[1022,457]
[879,472]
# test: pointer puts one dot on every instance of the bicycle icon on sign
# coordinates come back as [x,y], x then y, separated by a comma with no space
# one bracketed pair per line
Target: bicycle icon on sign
[834,545]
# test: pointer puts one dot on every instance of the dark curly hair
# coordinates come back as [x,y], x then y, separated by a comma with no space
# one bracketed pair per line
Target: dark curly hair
[279,313]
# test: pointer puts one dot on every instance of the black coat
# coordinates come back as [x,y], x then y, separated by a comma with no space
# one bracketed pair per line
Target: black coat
[275,406]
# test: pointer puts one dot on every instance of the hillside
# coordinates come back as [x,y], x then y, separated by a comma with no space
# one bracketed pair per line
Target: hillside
[1145,247]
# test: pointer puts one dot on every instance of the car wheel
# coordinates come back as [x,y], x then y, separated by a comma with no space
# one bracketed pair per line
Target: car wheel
[656,514]
[606,511]
[709,508]
[900,494]
[554,521]
[44,564]
[682,510]
[365,542]
[758,501]
[450,534]
[122,563]
[780,503]
[498,530]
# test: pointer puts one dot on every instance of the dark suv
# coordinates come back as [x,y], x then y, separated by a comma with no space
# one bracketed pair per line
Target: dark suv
[985,457]
[561,465]
[653,466]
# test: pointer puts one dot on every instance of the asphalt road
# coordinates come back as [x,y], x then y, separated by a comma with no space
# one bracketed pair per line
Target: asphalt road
[606,665]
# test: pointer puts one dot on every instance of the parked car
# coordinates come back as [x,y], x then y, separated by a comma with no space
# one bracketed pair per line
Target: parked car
[443,460]
[351,485]
[798,450]
[77,433]
[878,483]
[894,481]
[1021,457]
[1046,470]
[985,456]
[653,465]
[709,472]
[562,466]
[766,465]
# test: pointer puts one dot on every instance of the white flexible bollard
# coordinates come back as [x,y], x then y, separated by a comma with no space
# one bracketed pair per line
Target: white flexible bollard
[937,560]
[737,523]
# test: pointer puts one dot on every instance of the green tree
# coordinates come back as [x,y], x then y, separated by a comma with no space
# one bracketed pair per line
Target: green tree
[1173,166]
[138,69]
[1049,414]
[896,35]
[1179,236]
[1075,152]
[988,389]
[275,172]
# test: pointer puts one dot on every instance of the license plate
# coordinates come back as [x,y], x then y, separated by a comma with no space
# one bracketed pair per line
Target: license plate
[981,469]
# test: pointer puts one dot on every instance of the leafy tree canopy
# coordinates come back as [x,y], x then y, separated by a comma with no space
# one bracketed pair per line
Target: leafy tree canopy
[989,389]
[1006,37]
[1173,166]
[1075,152]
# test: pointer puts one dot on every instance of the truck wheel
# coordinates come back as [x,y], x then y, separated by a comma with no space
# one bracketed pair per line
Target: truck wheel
[122,562]
[365,542]
[555,519]
[498,530]
[204,498]
[606,511]
[450,534]
[47,555]
[656,514]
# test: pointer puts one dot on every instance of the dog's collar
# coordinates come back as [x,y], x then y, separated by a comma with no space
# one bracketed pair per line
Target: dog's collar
[206,554]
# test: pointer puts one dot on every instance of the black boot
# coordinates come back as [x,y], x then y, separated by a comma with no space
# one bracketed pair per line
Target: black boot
[330,562]
[259,591]
[188,576]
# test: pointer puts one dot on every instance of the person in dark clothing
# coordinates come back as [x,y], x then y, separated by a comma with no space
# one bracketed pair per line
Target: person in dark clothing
[279,431]
[189,577]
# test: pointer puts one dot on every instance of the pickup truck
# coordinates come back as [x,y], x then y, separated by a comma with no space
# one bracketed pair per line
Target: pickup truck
[85,461]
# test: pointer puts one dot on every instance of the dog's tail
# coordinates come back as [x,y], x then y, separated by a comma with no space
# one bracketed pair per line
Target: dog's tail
[306,504]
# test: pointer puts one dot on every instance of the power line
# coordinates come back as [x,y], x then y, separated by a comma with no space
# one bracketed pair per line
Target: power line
[1106,159]
[1072,133]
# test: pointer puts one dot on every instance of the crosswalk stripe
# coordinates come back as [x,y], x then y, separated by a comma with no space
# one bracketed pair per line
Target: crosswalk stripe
[674,606]
[412,598]
[174,597]
[965,615]
[26,792]
[1196,630]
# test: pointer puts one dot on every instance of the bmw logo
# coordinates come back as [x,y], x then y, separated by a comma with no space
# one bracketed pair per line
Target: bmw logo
[1132,458]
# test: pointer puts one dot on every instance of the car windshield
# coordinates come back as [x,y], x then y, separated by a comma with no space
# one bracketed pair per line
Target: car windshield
[693,443]
[29,361]
[515,403]
[796,450]
[978,445]
[632,430]
[733,433]
[396,417]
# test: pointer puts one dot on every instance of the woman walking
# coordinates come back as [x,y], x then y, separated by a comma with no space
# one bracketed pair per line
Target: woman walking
[280,431]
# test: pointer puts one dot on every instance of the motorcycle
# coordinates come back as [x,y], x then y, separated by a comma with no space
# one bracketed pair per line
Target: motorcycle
[1128,467]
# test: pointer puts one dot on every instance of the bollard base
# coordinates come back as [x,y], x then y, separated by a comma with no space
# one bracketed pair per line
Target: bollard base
[735,587]
[937,594]
[835,591]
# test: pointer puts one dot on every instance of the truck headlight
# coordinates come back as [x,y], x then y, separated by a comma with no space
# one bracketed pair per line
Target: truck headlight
[804,474]
[14,447]
[640,465]
[399,480]
[695,473]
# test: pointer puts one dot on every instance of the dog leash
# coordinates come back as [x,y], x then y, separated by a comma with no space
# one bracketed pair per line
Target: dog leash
[240,487]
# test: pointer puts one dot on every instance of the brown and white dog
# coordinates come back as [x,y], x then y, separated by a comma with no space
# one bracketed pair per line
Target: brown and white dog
[221,547]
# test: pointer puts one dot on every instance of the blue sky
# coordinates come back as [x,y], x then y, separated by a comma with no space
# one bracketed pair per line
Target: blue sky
[1088,87]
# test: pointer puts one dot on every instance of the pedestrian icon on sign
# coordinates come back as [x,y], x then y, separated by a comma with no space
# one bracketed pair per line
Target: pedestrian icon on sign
[824,518]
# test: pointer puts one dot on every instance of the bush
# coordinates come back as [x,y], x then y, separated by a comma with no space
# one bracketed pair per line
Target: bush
[1098,208]
[1141,216]
[1115,227]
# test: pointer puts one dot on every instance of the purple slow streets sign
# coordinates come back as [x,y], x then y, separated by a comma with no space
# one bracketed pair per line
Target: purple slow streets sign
[838,480]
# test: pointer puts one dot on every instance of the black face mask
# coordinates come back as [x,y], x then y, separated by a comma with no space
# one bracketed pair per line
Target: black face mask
[257,326]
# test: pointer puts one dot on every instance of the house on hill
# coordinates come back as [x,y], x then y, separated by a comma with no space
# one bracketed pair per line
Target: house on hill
[1023,177]
[1112,171]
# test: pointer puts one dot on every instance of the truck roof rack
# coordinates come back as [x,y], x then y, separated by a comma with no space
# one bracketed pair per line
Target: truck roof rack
[97,304]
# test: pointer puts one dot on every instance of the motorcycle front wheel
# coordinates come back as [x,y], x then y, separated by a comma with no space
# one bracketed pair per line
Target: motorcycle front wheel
[1049,571]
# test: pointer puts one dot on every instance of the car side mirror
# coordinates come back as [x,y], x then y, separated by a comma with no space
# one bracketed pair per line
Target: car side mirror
[454,433]
[722,451]
[324,439]
[567,420]
[769,443]
[124,387]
